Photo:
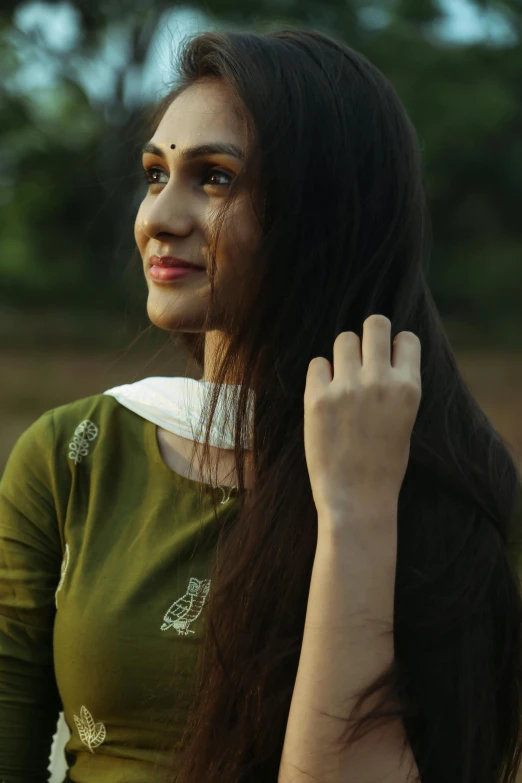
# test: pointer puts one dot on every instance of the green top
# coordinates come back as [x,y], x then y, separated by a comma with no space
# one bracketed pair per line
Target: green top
[102,585]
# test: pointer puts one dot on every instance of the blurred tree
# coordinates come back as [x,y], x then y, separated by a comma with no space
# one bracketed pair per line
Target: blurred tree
[70,171]
[66,211]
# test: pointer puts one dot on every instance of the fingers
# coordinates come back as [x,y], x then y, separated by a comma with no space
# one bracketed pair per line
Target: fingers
[375,349]
[407,352]
[346,355]
[319,376]
[349,354]
[376,340]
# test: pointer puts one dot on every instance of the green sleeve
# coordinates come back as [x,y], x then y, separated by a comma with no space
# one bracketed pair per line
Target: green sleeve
[30,562]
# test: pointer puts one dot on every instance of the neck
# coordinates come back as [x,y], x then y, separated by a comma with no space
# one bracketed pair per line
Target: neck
[214,348]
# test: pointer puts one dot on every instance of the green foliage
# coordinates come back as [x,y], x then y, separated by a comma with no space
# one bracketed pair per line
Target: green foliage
[69,169]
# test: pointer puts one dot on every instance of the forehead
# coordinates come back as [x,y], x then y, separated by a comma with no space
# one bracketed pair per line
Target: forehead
[203,112]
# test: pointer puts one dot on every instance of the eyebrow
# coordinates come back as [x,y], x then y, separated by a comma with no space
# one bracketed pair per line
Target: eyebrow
[191,153]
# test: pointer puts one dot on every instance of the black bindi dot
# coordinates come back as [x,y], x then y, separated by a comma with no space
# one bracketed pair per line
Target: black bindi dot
[172,146]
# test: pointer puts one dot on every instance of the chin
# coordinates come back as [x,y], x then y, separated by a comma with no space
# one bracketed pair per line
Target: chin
[171,315]
[162,316]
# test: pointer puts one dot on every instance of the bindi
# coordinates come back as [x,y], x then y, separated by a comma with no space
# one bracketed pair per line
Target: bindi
[172,146]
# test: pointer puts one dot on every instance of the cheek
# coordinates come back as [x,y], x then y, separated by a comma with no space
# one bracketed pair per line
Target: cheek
[139,234]
[240,233]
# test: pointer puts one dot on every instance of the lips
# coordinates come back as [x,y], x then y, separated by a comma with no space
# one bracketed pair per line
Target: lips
[171,261]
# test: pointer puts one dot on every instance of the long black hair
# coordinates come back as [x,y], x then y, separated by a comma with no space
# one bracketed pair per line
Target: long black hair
[335,174]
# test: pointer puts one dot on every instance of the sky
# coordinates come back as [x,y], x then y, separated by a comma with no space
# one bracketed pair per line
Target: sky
[58,26]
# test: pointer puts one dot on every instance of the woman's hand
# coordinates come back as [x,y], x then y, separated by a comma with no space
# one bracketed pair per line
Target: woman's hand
[358,423]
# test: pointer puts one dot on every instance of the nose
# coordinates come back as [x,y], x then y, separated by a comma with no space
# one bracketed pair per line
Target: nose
[168,213]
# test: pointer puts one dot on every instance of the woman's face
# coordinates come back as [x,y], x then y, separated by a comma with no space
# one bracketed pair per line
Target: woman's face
[183,193]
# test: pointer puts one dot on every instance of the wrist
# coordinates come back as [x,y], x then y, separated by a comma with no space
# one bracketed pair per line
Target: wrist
[361,575]
[369,524]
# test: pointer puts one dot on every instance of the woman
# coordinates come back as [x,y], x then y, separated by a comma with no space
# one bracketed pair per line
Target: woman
[332,593]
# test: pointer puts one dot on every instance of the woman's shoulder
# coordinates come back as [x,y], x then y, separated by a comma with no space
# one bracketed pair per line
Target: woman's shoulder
[97,406]
[58,439]
[60,424]
[84,419]
[68,437]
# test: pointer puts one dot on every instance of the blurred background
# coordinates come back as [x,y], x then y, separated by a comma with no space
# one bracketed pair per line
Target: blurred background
[75,79]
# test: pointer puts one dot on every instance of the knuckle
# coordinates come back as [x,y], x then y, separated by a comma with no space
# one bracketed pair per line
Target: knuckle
[410,391]
[374,382]
[345,392]
[339,395]
[319,403]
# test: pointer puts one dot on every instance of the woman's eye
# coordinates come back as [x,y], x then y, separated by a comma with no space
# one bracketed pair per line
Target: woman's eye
[214,172]
[209,173]
[152,175]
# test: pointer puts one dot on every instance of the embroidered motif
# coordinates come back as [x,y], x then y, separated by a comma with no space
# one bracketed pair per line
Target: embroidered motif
[91,734]
[65,563]
[84,432]
[187,608]
[225,498]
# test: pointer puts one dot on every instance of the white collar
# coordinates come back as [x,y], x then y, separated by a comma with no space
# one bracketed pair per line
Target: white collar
[176,404]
